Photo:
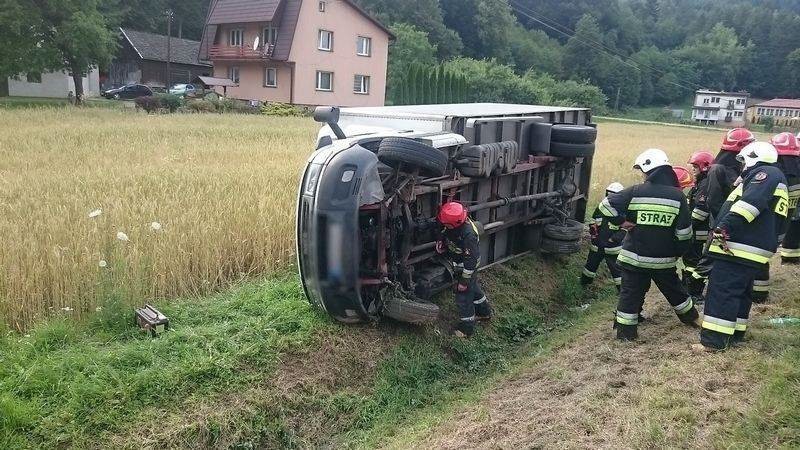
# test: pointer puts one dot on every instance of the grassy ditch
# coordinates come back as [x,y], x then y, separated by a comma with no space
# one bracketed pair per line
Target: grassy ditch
[258,367]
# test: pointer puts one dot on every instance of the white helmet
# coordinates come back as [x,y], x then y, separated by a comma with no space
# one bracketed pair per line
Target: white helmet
[615,187]
[650,159]
[757,152]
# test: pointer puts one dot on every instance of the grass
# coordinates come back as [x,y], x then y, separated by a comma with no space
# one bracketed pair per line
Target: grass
[44,102]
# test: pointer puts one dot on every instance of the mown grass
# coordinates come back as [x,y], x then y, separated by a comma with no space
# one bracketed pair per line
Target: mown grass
[219,378]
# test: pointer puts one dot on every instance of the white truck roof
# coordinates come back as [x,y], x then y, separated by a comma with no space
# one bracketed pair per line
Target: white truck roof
[455,110]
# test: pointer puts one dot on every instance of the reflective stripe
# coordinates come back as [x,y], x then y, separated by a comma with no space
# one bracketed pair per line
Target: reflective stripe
[699,214]
[606,208]
[761,285]
[627,319]
[654,207]
[593,248]
[741,324]
[598,221]
[684,233]
[790,252]
[718,325]
[589,273]
[781,187]
[613,250]
[746,210]
[466,273]
[480,300]
[613,227]
[743,251]
[656,201]
[468,319]
[684,307]
[697,276]
[701,235]
[646,262]
[458,265]
[618,281]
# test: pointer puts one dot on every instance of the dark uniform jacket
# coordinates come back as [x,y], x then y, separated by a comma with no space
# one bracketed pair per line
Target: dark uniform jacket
[463,247]
[698,205]
[721,177]
[790,166]
[663,224]
[753,216]
[609,236]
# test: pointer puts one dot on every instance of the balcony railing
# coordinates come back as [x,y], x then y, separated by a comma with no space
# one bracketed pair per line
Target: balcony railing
[241,53]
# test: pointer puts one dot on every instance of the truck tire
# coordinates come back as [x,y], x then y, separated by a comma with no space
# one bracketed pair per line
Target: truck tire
[410,311]
[560,247]
[573,134]
[568,150]
[571,231]
[431,162]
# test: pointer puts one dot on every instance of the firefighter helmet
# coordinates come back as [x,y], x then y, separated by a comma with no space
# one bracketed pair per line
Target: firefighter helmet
[702,159]
[758,152]
[614,188]
[685,178]
[452,214]
[785,144]
[650,159]
[736,139]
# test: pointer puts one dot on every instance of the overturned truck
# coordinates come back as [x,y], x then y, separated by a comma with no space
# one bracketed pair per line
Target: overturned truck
[369,195]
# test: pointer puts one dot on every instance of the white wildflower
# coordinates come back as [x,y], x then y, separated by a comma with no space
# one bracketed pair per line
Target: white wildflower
[102,263]
[95,213]
[122,236]
[67,309]
[98,309]
[155,226]
[27,335]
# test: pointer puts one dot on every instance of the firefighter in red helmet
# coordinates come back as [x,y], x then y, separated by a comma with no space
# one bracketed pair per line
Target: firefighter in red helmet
[700,162]
[726,169]
[789,162]
[459,240]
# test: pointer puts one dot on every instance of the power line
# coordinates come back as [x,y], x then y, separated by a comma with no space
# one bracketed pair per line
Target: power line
[530,14]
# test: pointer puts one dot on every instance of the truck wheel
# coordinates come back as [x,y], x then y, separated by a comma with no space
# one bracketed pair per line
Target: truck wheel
[561,247]
[431,162]
[573,134]
[406,310]
[571,231]
[568,150]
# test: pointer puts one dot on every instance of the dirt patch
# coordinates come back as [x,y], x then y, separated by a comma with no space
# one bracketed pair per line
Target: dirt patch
[600,393]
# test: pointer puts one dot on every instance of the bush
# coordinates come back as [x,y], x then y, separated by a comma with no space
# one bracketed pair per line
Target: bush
[769,123]
[170,102]
[149,103]
[225,105]
[282,110]
[201,106]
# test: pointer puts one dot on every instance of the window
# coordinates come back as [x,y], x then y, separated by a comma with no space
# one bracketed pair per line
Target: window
[361,84]
[705,101]
[706,114]
[714,99]
[271,77]
[321,6]
[739,113]
[33,77]
[236,38]
[269,35]
[760,111]
[233,74]
[363,46]
[325,40]
[324,81]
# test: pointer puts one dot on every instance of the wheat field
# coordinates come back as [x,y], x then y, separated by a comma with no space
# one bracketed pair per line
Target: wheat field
[112,205]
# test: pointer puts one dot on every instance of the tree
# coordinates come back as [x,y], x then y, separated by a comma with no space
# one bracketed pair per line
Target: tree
[69,35]
[533,49]
[411,47]
[717,56]
[148,15]
[20,52]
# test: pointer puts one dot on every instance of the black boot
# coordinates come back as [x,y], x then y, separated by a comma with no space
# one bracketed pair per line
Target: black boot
[627,332]
[585,281]
[483,310]
[465,329]
[690,317]
[737,339]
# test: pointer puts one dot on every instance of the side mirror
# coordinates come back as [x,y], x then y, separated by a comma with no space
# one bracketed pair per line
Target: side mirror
[330,116]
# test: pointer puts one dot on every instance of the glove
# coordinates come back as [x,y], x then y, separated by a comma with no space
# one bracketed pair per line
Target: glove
[461,287]
[440,247]
[721,235]
[594,231]
[628,226]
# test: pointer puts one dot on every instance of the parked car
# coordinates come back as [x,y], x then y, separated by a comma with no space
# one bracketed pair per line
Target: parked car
[369,195]
[128,92]
[184,90]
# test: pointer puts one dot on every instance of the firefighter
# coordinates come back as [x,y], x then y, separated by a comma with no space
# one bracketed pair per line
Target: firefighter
[726,168]
[789,162]
[605,244]
[459,240]
[698,195]
[659,225]
[743,240]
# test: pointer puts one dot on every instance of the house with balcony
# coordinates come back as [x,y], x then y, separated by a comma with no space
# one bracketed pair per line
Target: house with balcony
[307,52]
[784,112]
[720,108]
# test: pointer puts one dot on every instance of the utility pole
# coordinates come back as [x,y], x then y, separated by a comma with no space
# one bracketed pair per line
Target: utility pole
[616,104]
[170,14]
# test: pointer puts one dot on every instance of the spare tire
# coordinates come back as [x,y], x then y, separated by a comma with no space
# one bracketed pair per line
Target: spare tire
[406,310]
[573,134]
[572,230]
[394,151]
[561,247]
[568,150]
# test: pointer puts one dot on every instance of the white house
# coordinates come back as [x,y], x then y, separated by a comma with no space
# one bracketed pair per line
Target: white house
[713,107]
[54,85]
